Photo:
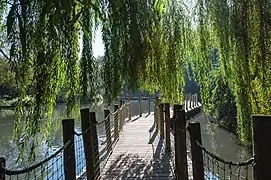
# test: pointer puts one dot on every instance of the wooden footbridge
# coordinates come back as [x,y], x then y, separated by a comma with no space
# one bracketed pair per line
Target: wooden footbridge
[158,144]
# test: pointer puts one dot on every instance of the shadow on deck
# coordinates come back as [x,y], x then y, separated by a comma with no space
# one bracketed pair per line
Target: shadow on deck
[134,166]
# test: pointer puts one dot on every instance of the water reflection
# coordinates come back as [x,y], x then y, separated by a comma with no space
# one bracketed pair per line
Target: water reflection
[223,144]
[9,150]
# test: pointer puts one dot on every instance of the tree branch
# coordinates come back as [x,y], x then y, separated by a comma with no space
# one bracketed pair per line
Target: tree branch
[4,54]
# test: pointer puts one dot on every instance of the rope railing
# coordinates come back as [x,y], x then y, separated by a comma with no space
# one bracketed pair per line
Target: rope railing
[101,145]
[173,143]
[104,136]
[215,167]
[162,117]
[49,168]
[53,167]
[219,168]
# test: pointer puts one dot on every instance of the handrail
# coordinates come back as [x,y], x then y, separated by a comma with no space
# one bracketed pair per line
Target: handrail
[17,172]
[231,163]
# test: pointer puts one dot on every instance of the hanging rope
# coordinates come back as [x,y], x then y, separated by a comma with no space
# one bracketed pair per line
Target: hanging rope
[51,167]
[216,167]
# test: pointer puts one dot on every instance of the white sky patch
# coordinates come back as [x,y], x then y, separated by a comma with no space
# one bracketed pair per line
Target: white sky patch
[98,45]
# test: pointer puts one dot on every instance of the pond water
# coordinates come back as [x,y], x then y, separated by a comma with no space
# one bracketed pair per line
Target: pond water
[8,149]
[215,139]
[225,145]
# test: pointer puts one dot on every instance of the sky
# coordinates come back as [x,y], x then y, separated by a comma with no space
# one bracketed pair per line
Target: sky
[98,46]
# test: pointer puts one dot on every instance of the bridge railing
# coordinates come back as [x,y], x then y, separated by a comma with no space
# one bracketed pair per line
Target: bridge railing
[168,129]
[186,150]
[83,154]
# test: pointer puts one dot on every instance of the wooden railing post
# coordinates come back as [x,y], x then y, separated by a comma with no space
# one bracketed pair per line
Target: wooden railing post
[162,129]
[123,113]
[185,105]
[156,104]
[94,139]
[261,148]
[108,130]
[139,106]
[180,153]
[2,165]
[197,158]
[88,146]
[116,123]
[129,108]
[191,101]
[149,104]
[69,154]
[120,115]
[167,120]
[196,100]
[176,107]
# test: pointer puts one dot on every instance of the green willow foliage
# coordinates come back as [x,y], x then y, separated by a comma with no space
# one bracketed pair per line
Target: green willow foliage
[44,38]
[241,30]
[144,46]
[148,43]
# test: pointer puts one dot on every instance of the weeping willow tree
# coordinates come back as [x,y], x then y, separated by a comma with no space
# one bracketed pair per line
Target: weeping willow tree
[241,30]
[44,46]
[148,43]
[145,47]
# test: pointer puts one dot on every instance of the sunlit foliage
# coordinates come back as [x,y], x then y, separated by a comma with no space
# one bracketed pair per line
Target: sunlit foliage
[241,30]
[148,43]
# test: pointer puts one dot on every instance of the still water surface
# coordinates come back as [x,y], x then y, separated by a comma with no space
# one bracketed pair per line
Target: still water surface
[215,139]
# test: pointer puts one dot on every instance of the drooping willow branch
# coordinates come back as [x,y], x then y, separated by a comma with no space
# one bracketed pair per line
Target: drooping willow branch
[148,43]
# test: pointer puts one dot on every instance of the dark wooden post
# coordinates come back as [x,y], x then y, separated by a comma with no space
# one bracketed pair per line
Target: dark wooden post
[184,104]
[180,153]
[69,154]
[191,101]
[139,106]
[196,99]
[191,106]
[167,120]
[149,104]
[2,165]
[129,108]
[197,159]
[116,124]
[108,130]
[120,115]
[88,146]
[123,113]
[156,104]
[262,148]
[162,128]
[94,139]
[176,107]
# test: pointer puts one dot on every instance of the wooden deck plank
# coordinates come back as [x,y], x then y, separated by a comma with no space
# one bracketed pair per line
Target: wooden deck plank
[134,158]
